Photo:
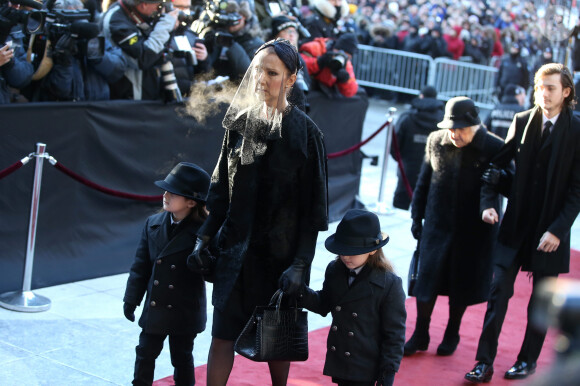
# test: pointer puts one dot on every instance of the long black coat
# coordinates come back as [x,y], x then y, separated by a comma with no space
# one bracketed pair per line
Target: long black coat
[412,131]
[558,210]
[269,211]
[176,299]
[368,322]
[456,245]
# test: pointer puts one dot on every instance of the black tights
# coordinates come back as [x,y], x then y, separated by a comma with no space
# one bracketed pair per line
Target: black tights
[425,309]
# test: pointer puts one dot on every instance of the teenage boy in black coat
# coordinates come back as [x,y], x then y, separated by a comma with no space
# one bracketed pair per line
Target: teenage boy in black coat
[543,202]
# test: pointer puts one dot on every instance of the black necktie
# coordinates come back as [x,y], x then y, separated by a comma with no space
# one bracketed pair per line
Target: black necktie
[546,132]
[351,277]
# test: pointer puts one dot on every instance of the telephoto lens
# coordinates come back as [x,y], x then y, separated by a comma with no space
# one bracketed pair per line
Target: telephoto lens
[172,93]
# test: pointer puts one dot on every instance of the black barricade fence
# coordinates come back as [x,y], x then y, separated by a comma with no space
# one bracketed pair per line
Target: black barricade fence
[341,120]
[124,145]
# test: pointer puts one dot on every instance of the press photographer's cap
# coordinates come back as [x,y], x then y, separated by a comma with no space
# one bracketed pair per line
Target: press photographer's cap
[513,90]
[347,42]
[460,112]
[358,232]
[187,180]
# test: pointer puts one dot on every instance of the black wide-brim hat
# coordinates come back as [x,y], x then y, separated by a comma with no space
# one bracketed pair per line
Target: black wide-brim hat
[460,112]
[358,232]
[187,180]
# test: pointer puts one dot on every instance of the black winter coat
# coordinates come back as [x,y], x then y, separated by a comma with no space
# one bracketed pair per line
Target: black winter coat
[412,131]
[269,211]
[456,245]
[367,335]
[176,299]
[501,117]
[524,221]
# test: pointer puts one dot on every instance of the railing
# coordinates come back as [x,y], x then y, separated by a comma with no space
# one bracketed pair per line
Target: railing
[408,72]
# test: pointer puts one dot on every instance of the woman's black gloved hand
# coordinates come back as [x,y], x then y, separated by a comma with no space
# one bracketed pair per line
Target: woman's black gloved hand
[417,228]
[292,279]
[201,260]
[493,175]
[129,311]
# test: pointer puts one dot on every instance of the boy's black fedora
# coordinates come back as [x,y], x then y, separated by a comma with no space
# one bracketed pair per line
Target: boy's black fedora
[187,180]
[358,232]
[460,112]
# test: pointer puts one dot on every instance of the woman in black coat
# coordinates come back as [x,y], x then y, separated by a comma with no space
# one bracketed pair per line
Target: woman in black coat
[175,299]
[268,199]
[455,244]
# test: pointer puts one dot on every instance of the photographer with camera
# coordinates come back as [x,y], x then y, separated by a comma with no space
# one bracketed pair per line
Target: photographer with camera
[324,21]
[84,63]
[15,71]
[143,32]
[329,63]
[190,56]
[228,39]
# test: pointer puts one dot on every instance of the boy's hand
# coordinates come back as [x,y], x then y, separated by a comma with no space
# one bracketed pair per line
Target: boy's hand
[129,311]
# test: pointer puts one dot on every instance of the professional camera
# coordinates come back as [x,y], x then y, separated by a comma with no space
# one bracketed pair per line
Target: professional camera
[267,9]
[558,305]
[33,20]
[213,23]
[338,60]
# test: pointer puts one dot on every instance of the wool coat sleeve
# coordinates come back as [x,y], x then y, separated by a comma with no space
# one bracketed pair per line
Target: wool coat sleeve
[218,196]
[140,271]
[393,318]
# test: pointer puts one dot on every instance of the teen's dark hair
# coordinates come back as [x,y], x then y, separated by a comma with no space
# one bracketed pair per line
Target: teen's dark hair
[566,79]
[287,53]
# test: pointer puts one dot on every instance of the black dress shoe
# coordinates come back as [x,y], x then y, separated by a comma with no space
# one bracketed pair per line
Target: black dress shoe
[482,372]
[418,342]
[520,370]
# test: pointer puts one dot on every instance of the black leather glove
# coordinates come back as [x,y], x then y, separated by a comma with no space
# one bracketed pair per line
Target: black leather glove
[63,50]
[342,76]
[292,279]
[387,379]
[129,311]
[324,60]
[417,229]
[493,175]
[201,260]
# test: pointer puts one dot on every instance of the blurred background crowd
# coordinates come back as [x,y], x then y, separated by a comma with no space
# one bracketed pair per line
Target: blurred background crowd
[87,50]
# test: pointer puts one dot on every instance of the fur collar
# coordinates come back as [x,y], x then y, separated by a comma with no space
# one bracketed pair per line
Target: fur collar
[328,10]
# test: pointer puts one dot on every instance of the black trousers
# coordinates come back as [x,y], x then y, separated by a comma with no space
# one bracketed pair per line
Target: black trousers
[180,349]
[502,289]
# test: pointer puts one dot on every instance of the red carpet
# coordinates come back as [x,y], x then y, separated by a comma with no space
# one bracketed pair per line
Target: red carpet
[424,368]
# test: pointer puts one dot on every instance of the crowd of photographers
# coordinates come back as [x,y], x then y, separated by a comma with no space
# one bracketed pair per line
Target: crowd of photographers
[85,50]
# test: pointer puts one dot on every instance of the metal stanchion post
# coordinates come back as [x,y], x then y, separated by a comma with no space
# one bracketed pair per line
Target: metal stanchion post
[26,300]
[381,207]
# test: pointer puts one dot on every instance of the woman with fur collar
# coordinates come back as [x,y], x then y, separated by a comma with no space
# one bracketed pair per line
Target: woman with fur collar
[326,14]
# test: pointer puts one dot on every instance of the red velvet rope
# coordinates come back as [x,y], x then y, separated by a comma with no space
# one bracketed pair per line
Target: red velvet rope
[102,189]
[10,169]
[359,145]
[397,154]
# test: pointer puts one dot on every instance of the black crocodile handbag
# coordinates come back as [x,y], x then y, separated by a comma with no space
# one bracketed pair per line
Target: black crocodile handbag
[275,334]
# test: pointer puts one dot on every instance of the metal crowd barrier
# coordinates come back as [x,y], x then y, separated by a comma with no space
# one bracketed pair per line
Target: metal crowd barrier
[408,72]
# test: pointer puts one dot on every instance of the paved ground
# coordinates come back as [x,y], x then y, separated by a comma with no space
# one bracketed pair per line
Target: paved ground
[85,340]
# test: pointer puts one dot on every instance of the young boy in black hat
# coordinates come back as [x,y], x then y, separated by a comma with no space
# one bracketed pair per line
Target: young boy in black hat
[175,298]
[367,302]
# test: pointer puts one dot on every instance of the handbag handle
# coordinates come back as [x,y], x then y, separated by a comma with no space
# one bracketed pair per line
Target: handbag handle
[277,300]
